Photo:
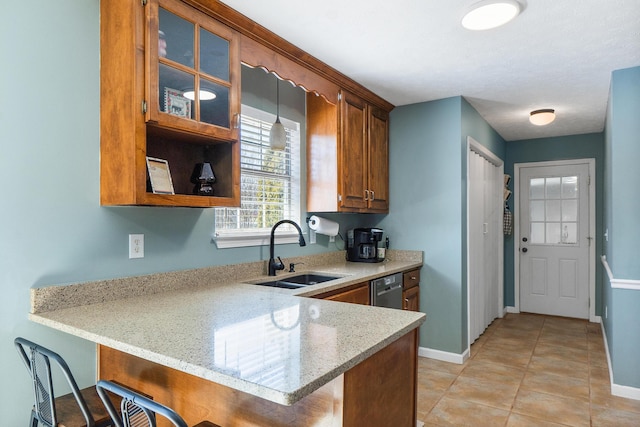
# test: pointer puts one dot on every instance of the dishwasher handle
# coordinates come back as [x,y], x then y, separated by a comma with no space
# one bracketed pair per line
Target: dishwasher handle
[388,288]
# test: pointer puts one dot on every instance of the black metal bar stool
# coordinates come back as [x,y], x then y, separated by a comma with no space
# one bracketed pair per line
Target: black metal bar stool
[80,408]
[138,410]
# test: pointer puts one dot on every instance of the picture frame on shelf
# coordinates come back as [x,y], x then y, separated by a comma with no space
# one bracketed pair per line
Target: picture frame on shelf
[160,176]
[176,103]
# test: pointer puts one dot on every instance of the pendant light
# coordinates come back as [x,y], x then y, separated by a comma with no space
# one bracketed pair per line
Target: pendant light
[277,136]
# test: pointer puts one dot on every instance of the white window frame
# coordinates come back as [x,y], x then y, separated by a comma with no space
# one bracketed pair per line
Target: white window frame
[259,237]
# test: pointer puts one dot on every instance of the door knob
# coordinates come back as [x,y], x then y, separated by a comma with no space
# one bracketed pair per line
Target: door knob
[524,250]
[524,239]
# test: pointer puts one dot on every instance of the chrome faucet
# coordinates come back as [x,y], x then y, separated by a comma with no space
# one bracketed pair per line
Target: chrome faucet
[278,265]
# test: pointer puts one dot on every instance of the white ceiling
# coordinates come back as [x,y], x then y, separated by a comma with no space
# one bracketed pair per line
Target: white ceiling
[557,54]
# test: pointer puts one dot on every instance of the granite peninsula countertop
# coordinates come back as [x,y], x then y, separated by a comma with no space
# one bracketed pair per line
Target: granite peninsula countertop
[273,343]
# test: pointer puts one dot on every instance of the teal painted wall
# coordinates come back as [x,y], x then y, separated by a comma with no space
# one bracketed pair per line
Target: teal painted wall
[425,212]
[54,230]
[428,207]
[622,178]
[549,149]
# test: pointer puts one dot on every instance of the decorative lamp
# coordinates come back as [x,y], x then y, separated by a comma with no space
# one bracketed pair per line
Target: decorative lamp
[203,178]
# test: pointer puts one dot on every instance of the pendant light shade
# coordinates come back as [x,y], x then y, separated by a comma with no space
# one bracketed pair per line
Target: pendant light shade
[278,135]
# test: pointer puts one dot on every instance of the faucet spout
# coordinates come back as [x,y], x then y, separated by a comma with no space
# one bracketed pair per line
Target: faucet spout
[278,265]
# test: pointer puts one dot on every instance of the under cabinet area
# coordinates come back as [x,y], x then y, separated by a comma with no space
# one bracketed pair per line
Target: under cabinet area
[411,290]
[348,155]
[170,101]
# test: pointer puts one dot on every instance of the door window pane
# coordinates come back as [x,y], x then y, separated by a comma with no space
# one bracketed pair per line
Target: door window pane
[553,188]
[537,233]
[569,210]
[553,232]
[570,233]
[214,103]
[553,210]
[569,187]
[536,188]
[536,208]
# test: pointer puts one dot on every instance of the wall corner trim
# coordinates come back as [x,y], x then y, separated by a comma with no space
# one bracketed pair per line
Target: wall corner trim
[619,283]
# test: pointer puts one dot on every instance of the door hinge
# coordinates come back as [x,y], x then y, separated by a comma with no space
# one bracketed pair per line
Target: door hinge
[144,107]
[339,197]
[144,2]
[588,180]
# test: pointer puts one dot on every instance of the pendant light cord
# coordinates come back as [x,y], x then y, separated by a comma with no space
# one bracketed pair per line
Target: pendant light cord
[277,98]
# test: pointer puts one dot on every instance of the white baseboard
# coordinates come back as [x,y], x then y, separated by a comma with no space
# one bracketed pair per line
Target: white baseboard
[595,319]
[511,309]
[445,356]
[616,389]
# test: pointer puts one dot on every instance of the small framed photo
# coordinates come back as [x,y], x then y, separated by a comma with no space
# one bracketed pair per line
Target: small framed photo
[175,103]
[160,176]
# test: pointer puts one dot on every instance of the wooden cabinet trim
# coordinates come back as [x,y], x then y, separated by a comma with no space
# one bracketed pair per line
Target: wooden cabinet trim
[263,36]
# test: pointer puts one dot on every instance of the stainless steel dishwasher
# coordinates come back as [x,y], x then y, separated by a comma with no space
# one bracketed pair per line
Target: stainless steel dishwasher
[387,291]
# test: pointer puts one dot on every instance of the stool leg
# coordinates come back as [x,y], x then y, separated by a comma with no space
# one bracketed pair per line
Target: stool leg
[33,422]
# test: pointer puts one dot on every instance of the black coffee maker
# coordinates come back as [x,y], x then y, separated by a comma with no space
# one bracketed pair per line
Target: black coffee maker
[362,244]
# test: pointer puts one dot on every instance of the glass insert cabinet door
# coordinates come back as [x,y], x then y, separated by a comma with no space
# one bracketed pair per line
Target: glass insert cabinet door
[193,71]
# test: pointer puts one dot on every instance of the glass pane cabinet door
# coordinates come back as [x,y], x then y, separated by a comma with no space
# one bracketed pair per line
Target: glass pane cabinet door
[192,78]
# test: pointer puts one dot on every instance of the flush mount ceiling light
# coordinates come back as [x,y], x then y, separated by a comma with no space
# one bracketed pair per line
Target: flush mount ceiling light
[542,117]
[487,14]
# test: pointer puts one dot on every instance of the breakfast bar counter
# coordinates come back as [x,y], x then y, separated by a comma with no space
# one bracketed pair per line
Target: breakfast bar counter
[236,351]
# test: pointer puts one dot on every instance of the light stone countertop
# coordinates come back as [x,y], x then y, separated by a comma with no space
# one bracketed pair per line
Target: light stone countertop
[269,342]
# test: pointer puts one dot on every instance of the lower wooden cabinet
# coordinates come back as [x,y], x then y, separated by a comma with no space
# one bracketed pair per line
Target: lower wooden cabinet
[356,294]
[411,290]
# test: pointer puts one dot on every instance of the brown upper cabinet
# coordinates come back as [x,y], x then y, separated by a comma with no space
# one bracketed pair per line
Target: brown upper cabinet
[170,90]
[347,156]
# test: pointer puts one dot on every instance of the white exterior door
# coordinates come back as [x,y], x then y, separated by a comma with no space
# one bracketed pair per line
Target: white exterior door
[554,239]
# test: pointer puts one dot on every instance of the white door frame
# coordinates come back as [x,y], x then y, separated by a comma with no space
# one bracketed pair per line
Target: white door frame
[592,228]
[475,146]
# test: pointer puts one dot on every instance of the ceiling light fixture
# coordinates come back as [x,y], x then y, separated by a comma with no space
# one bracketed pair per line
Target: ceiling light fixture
[487,14]
[542,117]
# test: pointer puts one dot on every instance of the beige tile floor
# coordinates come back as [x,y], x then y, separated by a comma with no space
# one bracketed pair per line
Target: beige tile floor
[526,370]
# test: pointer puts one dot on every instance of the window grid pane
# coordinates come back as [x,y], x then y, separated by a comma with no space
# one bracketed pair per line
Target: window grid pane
[553,210]
[266,184]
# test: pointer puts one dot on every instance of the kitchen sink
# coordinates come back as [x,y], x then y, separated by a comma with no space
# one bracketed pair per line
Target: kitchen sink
[299,281]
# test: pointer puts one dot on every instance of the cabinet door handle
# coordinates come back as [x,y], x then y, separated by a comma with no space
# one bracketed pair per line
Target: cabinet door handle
[413,277]
[236,121]
[373,195]
[366,194]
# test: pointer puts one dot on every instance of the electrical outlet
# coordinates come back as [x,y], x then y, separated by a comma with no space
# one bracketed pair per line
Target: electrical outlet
[136,246]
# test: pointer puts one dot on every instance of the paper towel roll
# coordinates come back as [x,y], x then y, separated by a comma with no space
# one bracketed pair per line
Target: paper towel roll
[323,226]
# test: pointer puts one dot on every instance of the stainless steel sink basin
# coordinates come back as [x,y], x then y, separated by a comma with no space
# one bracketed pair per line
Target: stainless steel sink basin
[299,281]
[308,279]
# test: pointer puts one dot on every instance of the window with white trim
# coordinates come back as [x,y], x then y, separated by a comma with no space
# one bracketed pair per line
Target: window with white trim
[269,185]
